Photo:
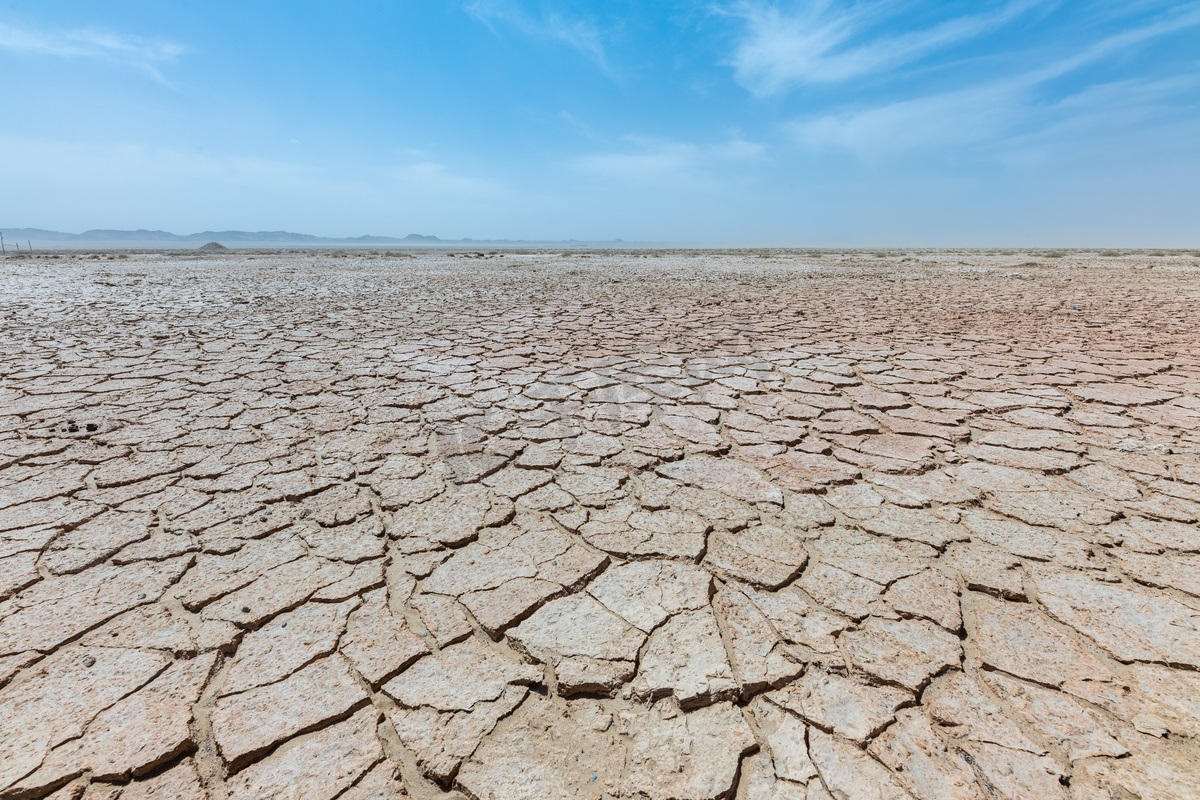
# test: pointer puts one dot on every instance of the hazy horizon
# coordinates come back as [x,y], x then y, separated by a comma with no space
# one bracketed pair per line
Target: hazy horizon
[857,124]
[128,239]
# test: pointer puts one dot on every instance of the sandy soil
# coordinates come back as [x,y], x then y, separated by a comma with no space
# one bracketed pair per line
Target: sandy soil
[760,525]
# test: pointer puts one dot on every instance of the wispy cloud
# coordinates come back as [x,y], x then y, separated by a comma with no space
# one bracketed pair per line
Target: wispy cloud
[434,180]
[653,160]
[581,34]
[982,113]
[144,54]
[1086,125]
[133,184]
[820,42]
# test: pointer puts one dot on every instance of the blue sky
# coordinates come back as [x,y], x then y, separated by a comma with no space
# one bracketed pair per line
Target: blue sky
[887,122]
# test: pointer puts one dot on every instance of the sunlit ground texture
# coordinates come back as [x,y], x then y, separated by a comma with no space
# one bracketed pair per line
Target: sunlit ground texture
[777,525]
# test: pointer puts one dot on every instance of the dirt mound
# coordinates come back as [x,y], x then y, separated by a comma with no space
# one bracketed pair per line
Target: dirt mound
[213,247]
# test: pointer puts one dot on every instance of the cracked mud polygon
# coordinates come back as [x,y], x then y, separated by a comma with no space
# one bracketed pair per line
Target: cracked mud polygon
[757,525]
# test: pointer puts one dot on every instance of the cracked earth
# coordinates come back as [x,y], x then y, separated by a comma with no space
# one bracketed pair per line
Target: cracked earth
[679,527]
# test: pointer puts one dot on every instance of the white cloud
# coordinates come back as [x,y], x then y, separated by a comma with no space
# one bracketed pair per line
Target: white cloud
[987,113]
[580,34]
[959,117]
[818,41]
[1102,122]
[79,185]
[431,179]
[654,160]
[144,54]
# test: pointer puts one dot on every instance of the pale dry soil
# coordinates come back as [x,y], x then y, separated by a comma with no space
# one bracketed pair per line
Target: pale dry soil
[756,526]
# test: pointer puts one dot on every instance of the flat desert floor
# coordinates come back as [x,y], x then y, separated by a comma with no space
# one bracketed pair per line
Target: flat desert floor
[671,526]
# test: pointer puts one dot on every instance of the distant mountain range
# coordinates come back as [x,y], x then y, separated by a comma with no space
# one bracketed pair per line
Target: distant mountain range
[158,239]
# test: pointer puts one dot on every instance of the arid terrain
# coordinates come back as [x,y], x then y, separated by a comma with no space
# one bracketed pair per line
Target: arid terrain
[776,525]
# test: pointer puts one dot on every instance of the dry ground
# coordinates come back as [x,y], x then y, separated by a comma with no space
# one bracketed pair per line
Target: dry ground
[767,526]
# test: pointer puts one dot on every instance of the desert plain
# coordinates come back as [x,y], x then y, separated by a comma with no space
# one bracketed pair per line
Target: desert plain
[669,525]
